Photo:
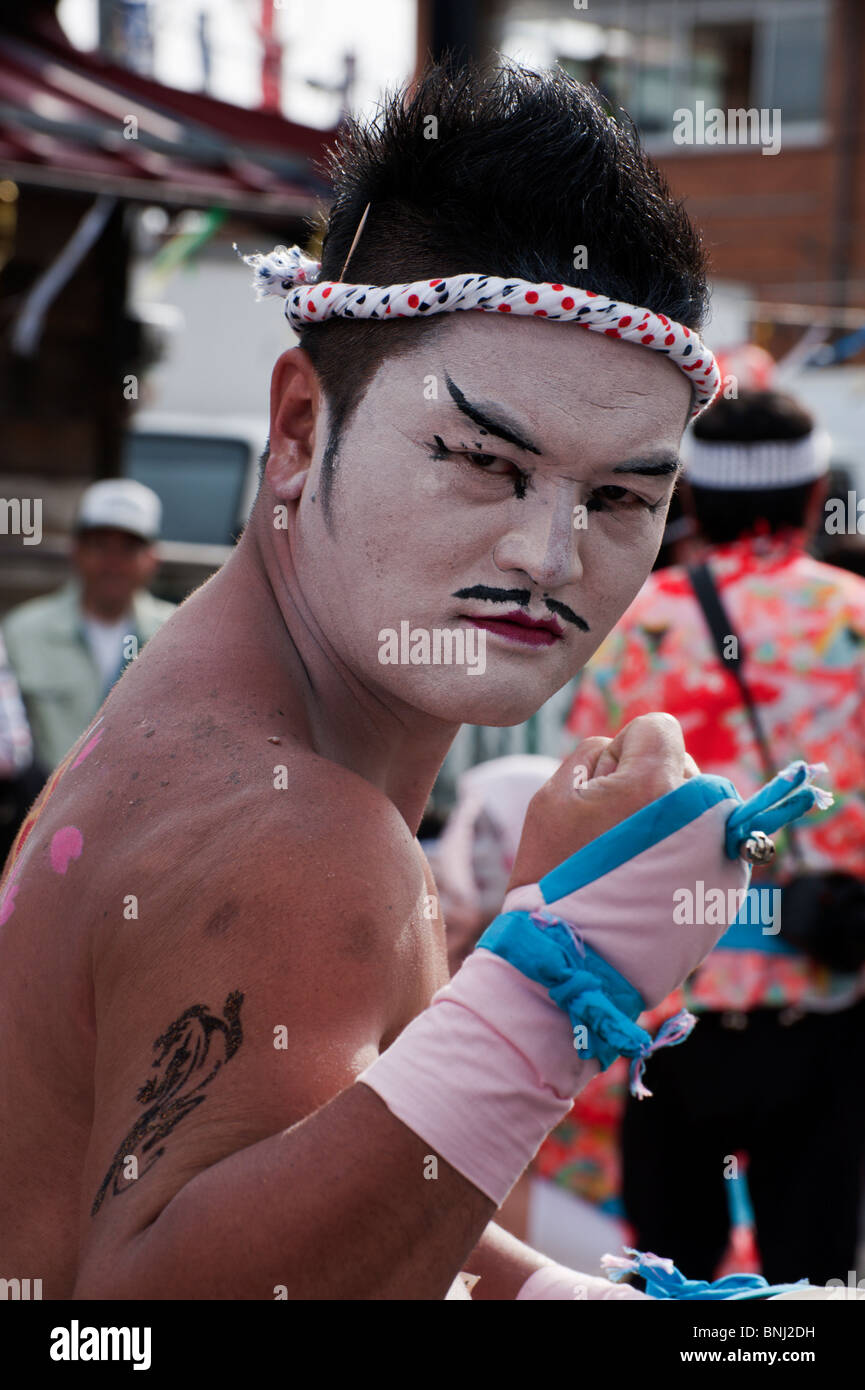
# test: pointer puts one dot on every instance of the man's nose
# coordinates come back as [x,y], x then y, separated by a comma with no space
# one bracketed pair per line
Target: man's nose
[542,540]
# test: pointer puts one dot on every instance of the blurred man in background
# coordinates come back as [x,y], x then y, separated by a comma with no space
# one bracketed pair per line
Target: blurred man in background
[18,786]
[68,649]
[774,1065]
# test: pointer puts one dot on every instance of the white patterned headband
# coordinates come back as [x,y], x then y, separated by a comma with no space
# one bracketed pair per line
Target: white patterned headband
[286,272]
[729,465]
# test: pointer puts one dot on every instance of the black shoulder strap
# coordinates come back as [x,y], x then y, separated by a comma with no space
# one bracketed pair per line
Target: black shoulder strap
[721,628]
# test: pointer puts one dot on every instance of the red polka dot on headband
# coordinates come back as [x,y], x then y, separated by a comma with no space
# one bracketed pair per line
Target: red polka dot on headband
[287,273]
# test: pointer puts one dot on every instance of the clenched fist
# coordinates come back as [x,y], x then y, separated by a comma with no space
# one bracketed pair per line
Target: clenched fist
[602,783]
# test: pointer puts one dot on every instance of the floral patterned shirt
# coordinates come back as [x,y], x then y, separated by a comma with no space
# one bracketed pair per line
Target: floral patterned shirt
[802,626]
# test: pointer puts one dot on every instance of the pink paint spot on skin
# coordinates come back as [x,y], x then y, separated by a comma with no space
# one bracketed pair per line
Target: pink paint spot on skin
[88,747]
[66,844]
[7,898]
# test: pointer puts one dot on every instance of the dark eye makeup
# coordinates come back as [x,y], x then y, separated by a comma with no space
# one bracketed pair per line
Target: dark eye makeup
[610,498]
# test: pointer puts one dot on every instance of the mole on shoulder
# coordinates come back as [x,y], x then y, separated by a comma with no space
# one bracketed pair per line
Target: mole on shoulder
[221,919]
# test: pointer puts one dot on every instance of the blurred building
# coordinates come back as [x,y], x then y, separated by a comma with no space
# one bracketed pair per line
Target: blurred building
[788,223]
[93,152]
[85,144]
[755,111]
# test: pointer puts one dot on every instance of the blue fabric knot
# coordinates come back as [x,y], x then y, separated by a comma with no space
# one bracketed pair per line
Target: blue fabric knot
[786,798]
[663,1279]
[600,1003]
[609,1032]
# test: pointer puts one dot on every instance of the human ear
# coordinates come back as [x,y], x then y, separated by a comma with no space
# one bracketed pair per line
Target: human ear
[295,402]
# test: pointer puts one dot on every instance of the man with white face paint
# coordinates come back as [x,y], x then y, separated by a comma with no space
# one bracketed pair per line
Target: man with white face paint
[269,1088]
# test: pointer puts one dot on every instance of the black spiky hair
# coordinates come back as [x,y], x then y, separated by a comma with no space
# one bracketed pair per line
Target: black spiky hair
[503,173]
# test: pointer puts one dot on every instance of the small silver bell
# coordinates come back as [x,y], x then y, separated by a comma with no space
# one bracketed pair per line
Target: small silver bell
[757,849]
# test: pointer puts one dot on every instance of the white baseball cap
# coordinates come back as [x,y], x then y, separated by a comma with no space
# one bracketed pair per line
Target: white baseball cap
[122,503]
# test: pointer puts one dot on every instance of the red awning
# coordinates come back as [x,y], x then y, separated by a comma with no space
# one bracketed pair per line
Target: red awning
[65,123]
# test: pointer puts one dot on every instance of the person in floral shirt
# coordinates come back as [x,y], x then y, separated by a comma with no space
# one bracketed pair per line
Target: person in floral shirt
[774,1065]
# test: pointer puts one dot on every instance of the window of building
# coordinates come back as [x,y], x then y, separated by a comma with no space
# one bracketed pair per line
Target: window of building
[652,57]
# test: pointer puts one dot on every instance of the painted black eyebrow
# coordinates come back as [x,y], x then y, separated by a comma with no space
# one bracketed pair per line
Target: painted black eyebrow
[669,464]
[492,423]
[664,467]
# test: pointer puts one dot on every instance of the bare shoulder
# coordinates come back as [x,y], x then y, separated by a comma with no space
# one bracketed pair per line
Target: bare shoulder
[300,858]
[281,938]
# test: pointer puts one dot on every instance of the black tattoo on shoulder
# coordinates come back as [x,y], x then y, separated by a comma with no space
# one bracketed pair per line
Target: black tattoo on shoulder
[183,1053]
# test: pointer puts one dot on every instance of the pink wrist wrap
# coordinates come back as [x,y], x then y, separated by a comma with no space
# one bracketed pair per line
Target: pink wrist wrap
[556,1281]
[626,913]
[484,1073]
[490,1068]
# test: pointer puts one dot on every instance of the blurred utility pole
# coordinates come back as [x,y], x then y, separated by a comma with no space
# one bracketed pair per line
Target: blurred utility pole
[271,60]
[205,48]
[465,28]
[344,89]
[36,17]
[126,35]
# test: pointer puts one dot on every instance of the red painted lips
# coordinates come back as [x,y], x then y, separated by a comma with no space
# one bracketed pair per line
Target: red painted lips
[519,627]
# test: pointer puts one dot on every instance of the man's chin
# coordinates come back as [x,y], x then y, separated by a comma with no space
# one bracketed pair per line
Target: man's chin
[493,695]
[487,710]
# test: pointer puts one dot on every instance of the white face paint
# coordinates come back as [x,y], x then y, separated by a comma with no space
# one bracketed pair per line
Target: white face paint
[419,518]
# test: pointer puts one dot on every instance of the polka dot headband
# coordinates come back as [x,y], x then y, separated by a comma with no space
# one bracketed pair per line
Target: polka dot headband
[289,274]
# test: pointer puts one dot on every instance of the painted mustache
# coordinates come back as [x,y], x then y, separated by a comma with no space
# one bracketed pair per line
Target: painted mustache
[521,597]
